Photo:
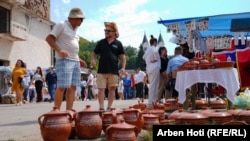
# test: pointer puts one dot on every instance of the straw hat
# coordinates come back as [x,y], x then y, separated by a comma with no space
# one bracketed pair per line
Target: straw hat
[113,26]
[76,13]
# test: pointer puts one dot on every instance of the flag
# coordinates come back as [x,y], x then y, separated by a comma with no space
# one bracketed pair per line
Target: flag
[243,66]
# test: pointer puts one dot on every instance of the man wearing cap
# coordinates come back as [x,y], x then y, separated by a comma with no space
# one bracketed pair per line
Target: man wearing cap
[64,40]
[110,50]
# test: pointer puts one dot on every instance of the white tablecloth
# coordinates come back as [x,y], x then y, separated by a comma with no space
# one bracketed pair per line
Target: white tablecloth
[226,77]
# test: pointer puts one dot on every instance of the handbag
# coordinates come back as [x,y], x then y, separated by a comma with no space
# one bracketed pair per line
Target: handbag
[25,82]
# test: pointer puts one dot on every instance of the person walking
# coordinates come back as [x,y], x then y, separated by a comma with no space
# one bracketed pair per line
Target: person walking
[153,66]
[65,41]
[17,74]
[90,85]
[51,79]
[110,50]
[38,81]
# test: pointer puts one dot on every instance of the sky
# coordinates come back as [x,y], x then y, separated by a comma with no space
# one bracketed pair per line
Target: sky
[135,18]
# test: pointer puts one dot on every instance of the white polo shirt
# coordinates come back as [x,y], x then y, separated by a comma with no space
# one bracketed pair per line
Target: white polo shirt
[139,77]
[67,39]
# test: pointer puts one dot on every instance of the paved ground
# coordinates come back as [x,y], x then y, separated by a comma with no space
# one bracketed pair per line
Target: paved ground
[20,123]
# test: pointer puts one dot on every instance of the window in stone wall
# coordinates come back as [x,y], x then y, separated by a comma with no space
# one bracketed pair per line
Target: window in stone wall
[4,20]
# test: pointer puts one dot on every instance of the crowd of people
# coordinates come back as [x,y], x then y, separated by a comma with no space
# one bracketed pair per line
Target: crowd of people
[39,83]
[111,80]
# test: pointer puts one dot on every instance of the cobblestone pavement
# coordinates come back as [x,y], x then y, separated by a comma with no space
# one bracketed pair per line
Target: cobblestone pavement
[20,123]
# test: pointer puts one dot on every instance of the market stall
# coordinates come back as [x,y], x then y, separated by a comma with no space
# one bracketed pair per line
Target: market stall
[224,37]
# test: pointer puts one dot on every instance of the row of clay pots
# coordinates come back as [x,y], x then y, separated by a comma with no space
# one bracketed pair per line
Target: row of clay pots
[62,125]
[89,123]
[173,104]
[209,116]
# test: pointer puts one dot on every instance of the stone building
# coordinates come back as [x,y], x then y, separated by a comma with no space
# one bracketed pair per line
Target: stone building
[24,25]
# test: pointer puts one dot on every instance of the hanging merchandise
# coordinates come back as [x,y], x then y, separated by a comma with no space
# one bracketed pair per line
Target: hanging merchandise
[242,37]
[199,42]
[189,28]
[236,39]
[193,25]
[203,24]
[210,42]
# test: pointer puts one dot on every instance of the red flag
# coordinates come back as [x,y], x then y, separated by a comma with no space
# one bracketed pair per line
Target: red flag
[243,66]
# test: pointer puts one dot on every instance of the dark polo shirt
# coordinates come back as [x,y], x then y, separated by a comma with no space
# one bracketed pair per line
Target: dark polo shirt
[109,56]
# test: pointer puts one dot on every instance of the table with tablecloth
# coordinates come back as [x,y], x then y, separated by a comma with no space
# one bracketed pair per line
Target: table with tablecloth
[226,77]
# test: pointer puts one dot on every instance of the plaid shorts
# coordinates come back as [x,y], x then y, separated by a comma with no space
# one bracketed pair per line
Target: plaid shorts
[68,73]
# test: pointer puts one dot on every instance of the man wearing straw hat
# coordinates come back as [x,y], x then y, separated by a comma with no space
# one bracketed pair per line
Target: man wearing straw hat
[110,50]
[65,41]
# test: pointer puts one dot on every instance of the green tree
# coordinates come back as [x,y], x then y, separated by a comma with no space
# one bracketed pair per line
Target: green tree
[140,62]
[131,54]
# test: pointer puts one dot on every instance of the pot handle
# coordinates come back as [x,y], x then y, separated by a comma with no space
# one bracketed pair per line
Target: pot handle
[70,117]
[40,120]
[109,131]
[75,115]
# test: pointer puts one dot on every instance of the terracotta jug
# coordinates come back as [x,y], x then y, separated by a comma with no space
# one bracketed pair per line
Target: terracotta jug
[149,121]
[174,115]
[55,125]
[219,117]
[158,105]
[141,105]
[171,104]
[121,132]
[193,118]
[200,104]
[159,112]
[218,104]
[244,115]
[134,117]
[88,123]
[109,118]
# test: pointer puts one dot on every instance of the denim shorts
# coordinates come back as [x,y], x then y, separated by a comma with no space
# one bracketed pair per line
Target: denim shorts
[68,73]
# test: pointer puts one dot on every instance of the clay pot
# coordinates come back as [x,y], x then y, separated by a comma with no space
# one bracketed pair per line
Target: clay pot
[219,117]
[234,123]
[88,123]
[218,104]
[109,118]
[121,132]
[174,115]
[234,113]
[192,118]
[158,105]
[141,105]
[134,117]
[167,122]
[149,121]
[205,111]
[199,103]
[55,125]
[215,60]
[171,104]
[244,115]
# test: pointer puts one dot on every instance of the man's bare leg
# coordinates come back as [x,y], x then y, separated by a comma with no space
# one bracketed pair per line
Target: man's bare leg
[58,97]
[111,96]
[101,97]
[70,97]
